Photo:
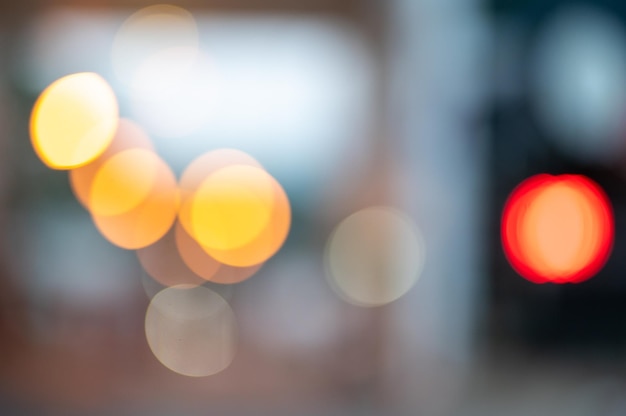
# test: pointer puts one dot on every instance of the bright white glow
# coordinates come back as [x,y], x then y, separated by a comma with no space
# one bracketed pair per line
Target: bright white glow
[174,100]
[150,31]
[296,94]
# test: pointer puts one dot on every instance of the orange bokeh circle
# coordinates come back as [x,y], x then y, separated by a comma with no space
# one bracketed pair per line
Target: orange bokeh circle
[557,228]
[128,136]
[200,169]
[225,174]
[231,207]
[150,219]
[267,242]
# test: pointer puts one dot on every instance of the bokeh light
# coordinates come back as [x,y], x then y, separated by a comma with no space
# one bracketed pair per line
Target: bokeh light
[191,330]
[130,192]
[170,82]
[236,211]
[129,135]
[151,218]
[74,120]
[149,31]
[374,256]
[267,242]
[231,207]
[578,80]
[557,228]
[199,169]
[124,181]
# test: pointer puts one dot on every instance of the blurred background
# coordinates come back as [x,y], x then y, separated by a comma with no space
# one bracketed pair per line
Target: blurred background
[433,111]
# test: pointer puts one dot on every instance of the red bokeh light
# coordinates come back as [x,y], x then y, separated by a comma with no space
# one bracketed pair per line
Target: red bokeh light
[557,229]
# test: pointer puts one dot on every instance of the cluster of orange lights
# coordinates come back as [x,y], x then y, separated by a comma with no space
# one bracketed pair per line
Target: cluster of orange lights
[219,223]
[557,229]
[224,218]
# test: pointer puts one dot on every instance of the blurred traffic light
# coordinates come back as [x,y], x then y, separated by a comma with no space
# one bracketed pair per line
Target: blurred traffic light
[560,74]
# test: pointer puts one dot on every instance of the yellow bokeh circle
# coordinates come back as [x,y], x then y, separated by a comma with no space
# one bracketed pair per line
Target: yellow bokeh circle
[200,169]
[233,211]
[267,242]
[232,207]
[74,120]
